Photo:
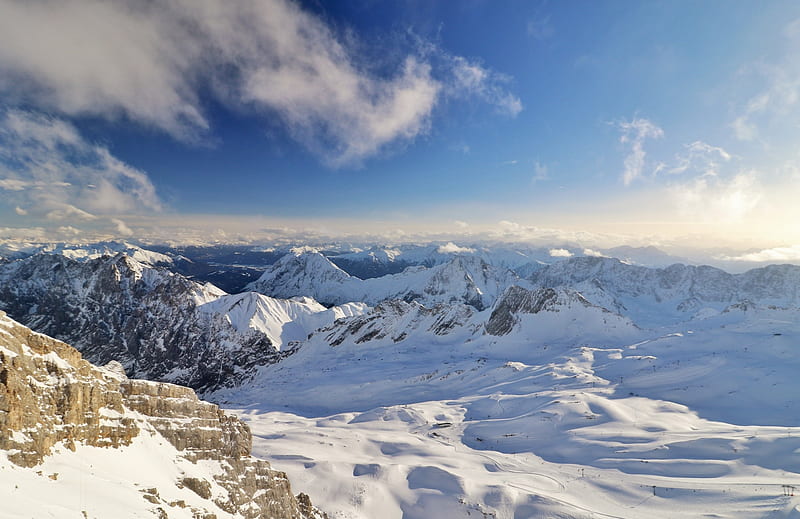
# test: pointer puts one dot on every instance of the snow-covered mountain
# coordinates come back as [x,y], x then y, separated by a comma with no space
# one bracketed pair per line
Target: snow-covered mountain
[547,315]
[543,405]
[85,252]
[282,321]
[158,324]
[79,440]
[379,261]
[523,259]
[655,296]
[465,279]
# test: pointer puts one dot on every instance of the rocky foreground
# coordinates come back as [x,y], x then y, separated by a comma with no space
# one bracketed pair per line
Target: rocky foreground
[52,403]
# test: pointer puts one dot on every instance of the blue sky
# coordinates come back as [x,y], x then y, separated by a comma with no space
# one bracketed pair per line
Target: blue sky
[637,122]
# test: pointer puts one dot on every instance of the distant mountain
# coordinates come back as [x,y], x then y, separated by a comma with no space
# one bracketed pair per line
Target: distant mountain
[655,296]
[379,261]
[643,256]
[465,279]
[134,448]
[158,324]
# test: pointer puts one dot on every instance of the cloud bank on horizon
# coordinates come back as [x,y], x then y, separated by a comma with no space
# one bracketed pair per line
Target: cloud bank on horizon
[120,118]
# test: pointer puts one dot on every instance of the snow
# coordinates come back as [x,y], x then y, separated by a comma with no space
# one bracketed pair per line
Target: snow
[281,320]
[692,419]
[97,483]
[109,248]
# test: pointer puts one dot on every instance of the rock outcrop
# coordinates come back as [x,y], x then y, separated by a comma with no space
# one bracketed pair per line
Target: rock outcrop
[51,397]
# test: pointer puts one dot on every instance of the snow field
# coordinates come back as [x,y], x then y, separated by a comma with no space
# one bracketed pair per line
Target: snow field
[692,420]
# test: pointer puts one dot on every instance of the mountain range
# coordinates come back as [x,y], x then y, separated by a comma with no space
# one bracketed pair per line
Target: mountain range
[459,387]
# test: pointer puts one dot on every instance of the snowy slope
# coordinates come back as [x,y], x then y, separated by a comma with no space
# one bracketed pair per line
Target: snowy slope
[564,410]
[281,320]
[462,279]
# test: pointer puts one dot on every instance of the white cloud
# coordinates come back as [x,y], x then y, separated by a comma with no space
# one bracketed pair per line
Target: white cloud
[452,248]
[472,79]
[709,185]
[121,227]
[773,255]
[149,62]
[700,158]
[634,133]
[102,58]
[50,170]
[593,253]
[560,253]
[20,211]
[68,212]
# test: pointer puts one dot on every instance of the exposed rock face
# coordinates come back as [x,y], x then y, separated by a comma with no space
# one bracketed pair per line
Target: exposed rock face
[49,395]
[147,318]
[553,314]
[518,300]
[397,319]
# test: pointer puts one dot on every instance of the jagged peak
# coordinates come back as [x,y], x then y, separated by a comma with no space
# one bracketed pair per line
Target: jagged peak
[517,300]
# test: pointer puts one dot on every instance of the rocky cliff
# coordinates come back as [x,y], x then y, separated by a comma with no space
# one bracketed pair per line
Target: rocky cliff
[51,400]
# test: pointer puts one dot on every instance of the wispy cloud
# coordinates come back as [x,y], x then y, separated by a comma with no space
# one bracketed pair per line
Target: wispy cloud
[150,62]
[708,184]
[470,78]
[778,96]
[719,199]
[540,172]
[48,169]
[634,133]
[700,158]
[540,28]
